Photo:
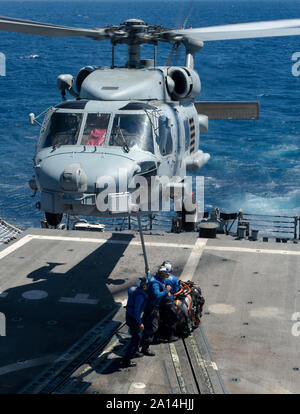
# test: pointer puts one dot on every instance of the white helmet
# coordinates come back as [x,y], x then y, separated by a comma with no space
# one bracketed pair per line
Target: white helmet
[163,271]
[168,266]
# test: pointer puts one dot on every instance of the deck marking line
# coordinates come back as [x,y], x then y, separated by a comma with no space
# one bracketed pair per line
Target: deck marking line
[102,241]
[203,364]
[28,364]
[15,246]
[193,260]
[91,367]
[80,298]
[177,367]
[202,333]
[199,242]
[249,250]
[29,237]
[214,366]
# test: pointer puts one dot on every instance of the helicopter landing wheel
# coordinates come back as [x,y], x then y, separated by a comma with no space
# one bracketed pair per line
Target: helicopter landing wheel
[189,218]
[53,219]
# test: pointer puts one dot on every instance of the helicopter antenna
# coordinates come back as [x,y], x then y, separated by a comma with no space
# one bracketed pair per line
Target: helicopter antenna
[188,14]
[177,47]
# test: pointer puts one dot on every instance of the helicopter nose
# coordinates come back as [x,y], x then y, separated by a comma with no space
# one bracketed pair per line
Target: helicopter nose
[74,178]
[80,172]
[91,183]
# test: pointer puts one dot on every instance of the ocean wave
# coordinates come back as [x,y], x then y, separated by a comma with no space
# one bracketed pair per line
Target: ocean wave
[287,204]
[29,57]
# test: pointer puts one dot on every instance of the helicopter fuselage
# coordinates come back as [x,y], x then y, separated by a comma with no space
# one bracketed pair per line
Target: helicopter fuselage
[87,145]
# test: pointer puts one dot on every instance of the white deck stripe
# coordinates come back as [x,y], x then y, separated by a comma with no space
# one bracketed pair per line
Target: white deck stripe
[30,237]
[80,298]
[199,243]
[15,246]
[102,241]
[248,250]
[193,260]
[27,364]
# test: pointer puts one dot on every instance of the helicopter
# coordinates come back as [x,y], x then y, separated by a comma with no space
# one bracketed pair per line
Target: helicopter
[140,122]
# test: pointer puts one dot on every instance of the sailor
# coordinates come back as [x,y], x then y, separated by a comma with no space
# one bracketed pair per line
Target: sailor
[156,292]
[137,298]
[172,279]
[167,307]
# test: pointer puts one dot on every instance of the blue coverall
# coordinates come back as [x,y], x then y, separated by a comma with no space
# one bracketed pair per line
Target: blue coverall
[168,311]
[173,282]
[137,299]
[156,292]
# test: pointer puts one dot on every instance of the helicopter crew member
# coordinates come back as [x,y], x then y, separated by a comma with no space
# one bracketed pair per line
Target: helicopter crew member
[167,307]
[156,292]
[137,299]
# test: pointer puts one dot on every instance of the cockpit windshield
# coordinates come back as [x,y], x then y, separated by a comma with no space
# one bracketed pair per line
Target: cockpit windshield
[62,129]
[130,131]
[95,129]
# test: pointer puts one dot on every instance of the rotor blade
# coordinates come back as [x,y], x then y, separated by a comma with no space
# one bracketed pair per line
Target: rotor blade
[177,54]
[44,29]
[175,47]
[228,110]
[241,30]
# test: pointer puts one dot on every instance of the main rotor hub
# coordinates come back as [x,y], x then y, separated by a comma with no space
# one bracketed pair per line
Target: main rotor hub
[135,24]
[134,31]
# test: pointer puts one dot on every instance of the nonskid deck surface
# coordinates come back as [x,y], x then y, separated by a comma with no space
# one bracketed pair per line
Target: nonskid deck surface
[57,285]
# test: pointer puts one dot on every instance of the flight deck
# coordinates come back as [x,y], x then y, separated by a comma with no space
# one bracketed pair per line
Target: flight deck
[63,294]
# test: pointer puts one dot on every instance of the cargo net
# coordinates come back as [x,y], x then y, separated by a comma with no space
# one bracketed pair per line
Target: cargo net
[8,232]
[185,314]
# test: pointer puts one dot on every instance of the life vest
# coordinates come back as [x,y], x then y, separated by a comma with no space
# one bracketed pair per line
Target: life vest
[172,281]
[153,298]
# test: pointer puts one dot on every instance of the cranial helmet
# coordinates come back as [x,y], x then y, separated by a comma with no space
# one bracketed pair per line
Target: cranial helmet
[143,283]
[162,271]
[168,266]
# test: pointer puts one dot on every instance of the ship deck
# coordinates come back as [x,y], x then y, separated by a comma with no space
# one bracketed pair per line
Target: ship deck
[62,295]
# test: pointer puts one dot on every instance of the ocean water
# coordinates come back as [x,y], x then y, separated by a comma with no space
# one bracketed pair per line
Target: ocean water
[255,165]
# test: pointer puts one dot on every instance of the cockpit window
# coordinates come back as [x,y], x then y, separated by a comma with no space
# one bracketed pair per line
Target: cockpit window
[130,131]
[95,129]
[63,129]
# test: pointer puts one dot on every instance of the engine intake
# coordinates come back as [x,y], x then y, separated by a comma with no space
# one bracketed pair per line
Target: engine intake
[183,83]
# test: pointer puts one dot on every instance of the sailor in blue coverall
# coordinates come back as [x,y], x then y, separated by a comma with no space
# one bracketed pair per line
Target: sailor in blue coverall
[167,307]
[156,292]
[172,279]
[137,299]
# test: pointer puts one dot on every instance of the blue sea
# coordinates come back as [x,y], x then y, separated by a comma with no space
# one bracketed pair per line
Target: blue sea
[255,165]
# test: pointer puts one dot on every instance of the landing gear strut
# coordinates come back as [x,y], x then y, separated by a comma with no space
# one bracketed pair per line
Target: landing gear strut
[189,218]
